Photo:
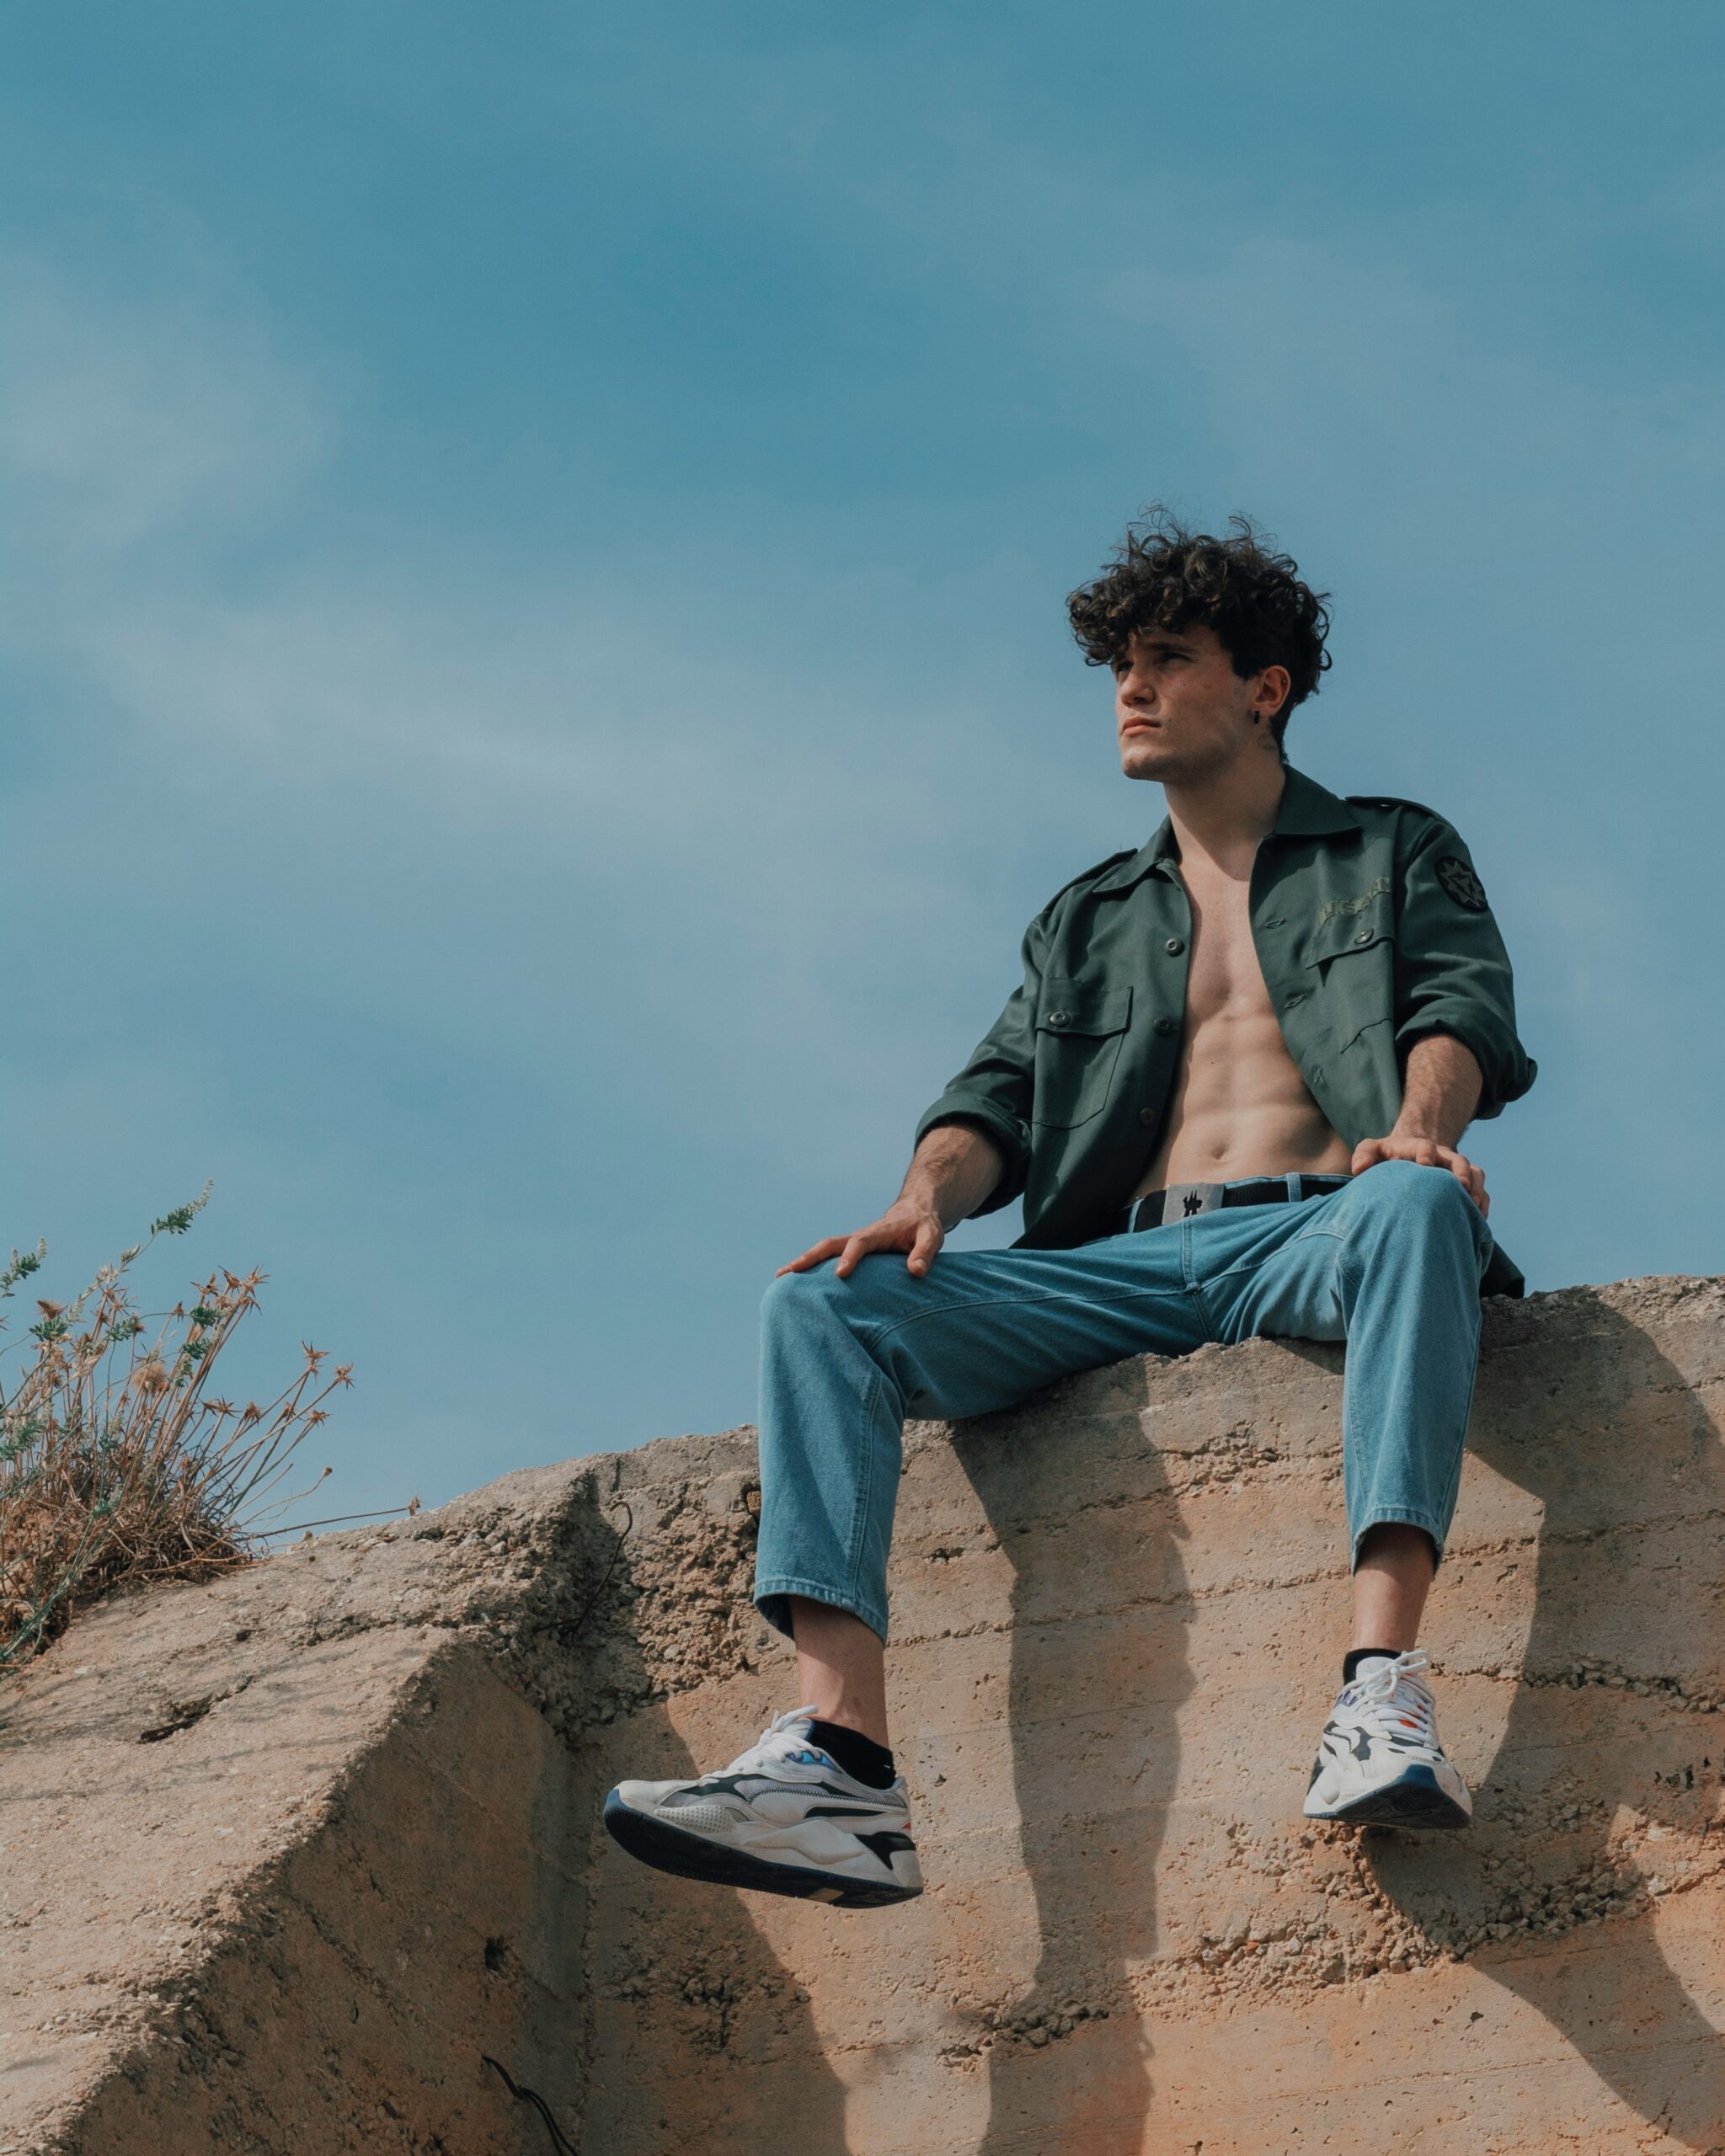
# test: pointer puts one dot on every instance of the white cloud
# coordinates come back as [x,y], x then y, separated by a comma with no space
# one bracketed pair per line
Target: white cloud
[772,845]
[128,422]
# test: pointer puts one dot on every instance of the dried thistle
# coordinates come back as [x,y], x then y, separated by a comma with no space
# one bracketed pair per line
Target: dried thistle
[116,1467]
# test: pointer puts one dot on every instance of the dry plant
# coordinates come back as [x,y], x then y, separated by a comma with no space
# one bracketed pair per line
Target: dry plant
[119,1464]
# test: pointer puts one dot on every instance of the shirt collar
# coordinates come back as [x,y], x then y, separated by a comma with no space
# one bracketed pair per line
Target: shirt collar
[1308,810]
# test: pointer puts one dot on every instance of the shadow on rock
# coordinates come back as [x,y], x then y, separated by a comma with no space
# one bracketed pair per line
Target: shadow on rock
[698,2038]
[1615,1728]
[1094,1694]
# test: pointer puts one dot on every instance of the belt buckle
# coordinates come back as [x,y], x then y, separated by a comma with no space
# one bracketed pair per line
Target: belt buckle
[1185,1201]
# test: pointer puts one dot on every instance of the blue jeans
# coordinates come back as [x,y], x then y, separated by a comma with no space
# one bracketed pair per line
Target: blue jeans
[1390,1263]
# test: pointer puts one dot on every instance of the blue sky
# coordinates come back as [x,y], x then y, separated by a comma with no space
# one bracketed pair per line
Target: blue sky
[538,700]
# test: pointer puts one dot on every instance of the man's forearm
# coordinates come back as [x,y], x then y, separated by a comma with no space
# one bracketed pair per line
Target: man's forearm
[1440,1090]
[952,1171]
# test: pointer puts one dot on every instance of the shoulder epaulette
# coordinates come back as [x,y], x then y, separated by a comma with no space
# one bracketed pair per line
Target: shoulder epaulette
[1391,801]
[1097,868]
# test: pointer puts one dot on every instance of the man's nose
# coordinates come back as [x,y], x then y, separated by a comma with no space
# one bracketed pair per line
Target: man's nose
[1137,689]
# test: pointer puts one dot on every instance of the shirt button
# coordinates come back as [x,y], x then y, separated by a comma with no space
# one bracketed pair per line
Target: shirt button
[1059,1017]
[1297,996]
[1363,937]
[1166,1025]
[1276,922]
[1149,1117]
[1173,947]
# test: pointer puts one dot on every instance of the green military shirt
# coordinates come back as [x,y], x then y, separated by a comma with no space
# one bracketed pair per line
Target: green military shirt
[1371,929]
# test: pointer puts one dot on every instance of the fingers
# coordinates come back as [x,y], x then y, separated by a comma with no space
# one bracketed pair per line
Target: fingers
[930,1235]
[920,1237]
[1425,1153]
[857,1247]
[816,1254]
[883,1235]
[1471,1178]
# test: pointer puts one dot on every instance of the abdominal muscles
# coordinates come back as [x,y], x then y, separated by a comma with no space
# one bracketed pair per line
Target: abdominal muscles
[1240,1106]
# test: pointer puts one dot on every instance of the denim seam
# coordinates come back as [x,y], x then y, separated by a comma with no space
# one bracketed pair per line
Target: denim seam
[1454,1492]
[1194,1284]
[863,1488]
[878,1329]
[1257,1264]
[1411,1518]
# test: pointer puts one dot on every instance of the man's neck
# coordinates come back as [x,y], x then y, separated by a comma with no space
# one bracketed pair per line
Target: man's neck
[1228,814]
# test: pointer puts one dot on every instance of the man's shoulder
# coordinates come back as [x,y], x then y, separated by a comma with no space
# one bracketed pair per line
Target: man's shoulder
[1088,878]
[1391,804]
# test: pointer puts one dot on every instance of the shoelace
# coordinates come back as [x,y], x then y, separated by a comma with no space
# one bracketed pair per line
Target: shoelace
[783,1735]
[1394,1687]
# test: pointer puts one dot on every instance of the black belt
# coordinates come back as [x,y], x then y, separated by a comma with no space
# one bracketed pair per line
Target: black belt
[1185,1201]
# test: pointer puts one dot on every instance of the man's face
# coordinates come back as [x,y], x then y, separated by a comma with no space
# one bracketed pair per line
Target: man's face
[1181,711]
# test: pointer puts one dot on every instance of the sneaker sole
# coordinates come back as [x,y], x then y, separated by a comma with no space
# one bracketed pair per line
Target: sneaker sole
[693,1856]
[1416,1800]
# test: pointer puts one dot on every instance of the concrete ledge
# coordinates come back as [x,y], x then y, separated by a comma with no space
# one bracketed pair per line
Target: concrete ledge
[285,1856]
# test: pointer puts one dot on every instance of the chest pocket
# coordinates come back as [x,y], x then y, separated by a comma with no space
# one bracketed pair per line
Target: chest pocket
[1356,924]
[1351,961]
[1080,1030]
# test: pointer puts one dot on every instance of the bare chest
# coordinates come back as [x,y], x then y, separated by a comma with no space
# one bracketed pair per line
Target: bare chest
[1224,979]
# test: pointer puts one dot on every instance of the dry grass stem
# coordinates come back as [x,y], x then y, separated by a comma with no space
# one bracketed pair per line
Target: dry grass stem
[118,1462]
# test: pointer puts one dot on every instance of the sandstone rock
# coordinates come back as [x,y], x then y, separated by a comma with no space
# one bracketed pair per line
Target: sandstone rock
[287,1858]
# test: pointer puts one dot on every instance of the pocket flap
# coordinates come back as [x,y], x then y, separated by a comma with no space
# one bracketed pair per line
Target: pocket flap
[1355,927]
[1074,1006]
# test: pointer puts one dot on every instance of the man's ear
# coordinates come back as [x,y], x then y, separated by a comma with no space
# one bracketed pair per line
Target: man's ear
[1271,693]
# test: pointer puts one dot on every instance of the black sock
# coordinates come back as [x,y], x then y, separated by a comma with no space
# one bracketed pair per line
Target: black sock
[862,1758]
[1352,1660]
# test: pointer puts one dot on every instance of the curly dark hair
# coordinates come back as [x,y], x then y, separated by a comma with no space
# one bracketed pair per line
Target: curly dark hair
[1163,575]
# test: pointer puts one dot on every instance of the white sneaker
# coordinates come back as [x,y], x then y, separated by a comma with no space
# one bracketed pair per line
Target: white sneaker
[1379,1760]
[784,1818]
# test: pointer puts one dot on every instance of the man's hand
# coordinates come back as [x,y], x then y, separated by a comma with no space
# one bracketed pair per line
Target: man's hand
[955,1168]
[906,1227]
[1429,1154]
[1440,1090]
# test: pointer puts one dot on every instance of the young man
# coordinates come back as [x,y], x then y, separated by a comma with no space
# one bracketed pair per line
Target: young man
[1231,1092]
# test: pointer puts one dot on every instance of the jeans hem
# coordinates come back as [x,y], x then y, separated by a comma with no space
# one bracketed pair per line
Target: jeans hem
[1391,1516]
[771,1594]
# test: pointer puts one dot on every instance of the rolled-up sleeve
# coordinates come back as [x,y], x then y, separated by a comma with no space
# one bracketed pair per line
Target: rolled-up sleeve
[1453,973]
[993,1092]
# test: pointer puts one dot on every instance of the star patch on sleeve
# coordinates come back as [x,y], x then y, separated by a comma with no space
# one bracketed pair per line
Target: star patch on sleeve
[1460,883]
